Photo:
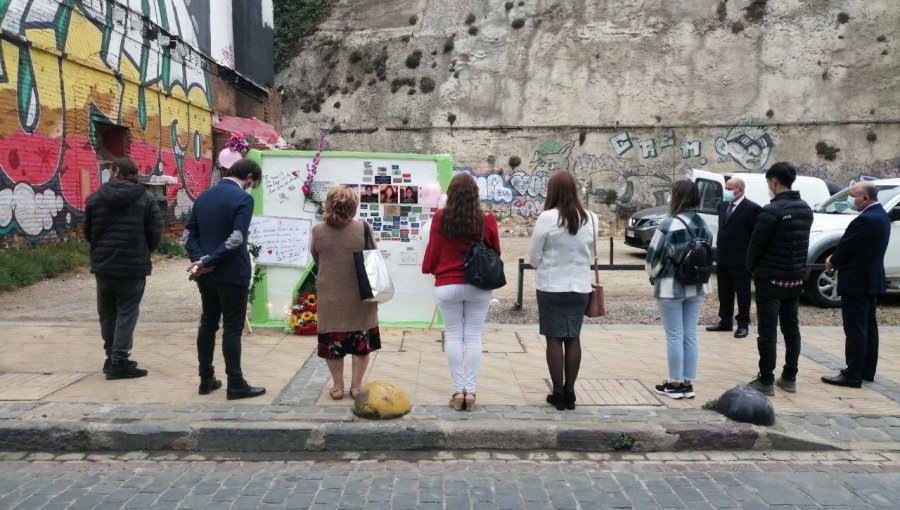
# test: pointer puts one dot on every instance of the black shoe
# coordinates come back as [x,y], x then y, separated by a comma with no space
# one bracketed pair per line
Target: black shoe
[670,391]
[209,384]
[842,380]
[741,332]
[570,401]
[124,370]
[108,363]
[719,326]
[557,400]
[245,392]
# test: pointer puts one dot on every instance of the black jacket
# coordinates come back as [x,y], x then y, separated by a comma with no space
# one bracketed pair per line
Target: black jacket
[859,257]
[123,224]
[734,234]
[780,239]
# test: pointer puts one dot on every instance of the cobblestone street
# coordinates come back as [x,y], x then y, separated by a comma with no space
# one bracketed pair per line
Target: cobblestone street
[438,480]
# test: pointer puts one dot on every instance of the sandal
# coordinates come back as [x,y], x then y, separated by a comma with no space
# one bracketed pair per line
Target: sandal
[336,393]
[458,401]
[354,392]
[470,402]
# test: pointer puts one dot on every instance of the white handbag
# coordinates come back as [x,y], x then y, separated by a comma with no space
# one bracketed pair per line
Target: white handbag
[372,275]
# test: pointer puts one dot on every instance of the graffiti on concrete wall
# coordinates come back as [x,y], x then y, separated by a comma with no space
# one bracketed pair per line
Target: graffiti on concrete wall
[60,92]
[748,146]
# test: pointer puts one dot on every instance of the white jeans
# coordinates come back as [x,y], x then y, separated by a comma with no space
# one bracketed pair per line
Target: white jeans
[464,308]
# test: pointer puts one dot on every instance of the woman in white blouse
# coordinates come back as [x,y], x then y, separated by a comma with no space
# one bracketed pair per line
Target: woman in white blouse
[562,248]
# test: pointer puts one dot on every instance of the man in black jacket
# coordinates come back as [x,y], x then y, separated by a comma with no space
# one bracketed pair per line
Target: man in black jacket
[859,259]
[737,217]
[776,257]
[123,224]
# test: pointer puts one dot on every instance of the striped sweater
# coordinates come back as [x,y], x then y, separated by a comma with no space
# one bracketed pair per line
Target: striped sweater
[666,248]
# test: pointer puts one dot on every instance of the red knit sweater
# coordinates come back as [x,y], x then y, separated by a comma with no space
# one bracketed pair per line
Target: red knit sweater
[444,256]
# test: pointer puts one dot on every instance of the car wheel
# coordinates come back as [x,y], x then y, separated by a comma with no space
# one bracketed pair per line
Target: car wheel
[821,289]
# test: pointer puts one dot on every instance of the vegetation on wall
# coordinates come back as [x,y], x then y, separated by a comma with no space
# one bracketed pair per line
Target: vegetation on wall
[294,21]
[20,267]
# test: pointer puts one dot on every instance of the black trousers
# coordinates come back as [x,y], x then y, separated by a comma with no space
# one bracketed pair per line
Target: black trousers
[118,305]
[773,305]
[734,280]
[861,332]
[228,302]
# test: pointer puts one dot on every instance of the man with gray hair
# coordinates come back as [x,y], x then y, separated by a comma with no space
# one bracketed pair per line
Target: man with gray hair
[859,261]
[737,215]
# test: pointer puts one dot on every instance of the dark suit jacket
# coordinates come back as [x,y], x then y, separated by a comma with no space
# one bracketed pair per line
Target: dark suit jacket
[859,256]
[734,234]
[218,228]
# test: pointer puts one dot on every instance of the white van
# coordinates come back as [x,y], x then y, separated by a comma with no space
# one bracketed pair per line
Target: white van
[642,224]
[812,190]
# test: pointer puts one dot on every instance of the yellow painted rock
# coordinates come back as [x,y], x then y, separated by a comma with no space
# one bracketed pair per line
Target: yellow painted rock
[381,400]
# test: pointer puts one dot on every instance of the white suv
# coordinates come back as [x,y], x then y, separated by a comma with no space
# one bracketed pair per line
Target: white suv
[830,221]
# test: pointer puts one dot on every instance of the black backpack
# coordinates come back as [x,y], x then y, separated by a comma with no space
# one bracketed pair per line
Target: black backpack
[696,262]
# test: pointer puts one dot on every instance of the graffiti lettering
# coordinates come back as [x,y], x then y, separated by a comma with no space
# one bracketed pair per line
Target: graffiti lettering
[533,185]
[690,149]
[648,148]
[526,208]
[620,143]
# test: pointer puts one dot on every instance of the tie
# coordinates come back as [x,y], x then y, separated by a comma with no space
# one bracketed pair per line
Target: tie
[729,211]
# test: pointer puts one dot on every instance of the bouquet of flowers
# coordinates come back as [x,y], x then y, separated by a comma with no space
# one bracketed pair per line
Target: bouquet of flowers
[304,314]
[239,143]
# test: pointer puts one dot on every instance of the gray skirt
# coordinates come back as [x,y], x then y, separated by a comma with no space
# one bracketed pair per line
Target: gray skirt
[560,314]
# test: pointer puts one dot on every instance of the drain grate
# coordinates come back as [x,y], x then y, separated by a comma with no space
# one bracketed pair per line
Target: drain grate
[34,385]
[612,392]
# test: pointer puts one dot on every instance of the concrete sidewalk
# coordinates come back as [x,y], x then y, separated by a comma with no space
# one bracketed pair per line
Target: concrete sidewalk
[53,394]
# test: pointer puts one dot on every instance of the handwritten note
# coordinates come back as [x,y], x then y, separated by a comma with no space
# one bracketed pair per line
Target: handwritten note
[282,186]
[283,241]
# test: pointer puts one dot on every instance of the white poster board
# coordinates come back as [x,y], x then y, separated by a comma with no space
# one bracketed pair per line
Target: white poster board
[396,217]
[283,241]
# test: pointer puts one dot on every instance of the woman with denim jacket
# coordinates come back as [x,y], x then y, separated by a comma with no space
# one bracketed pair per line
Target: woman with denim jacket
[679,304]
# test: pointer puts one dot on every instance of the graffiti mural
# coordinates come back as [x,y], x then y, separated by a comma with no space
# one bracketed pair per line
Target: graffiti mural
[748,146]
[77,78]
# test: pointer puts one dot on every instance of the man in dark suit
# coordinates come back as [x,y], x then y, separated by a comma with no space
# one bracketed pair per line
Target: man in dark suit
[859,260]
[737,215]
[216,239]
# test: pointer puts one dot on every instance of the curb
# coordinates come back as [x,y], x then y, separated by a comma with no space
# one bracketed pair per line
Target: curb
[382,436]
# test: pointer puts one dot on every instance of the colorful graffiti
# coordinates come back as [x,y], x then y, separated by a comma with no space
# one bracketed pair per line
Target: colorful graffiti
[69,71]
[748,146]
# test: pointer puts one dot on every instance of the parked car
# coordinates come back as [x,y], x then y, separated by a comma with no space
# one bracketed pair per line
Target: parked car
[831,218]
[642,224]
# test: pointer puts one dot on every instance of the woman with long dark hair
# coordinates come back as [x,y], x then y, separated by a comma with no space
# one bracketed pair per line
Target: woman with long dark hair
[679,304]
[346,324]
[454,229]
[562,247]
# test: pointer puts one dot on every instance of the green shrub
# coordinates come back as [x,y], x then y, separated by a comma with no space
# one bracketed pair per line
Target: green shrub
[515,161]
[296,20]
[623,442]
[426,85]
[20,267]
[171,247]
[413,59]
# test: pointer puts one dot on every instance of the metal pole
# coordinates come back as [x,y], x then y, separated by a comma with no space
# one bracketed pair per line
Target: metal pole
[610,250]
[519,284]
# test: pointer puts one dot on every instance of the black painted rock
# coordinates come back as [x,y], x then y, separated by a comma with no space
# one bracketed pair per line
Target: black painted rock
[746,405]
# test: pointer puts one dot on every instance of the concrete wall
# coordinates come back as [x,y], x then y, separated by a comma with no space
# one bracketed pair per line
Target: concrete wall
[66,68]
[628,95]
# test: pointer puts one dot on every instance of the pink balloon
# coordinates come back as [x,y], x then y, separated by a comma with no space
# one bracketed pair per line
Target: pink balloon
[228,157]
[429,194]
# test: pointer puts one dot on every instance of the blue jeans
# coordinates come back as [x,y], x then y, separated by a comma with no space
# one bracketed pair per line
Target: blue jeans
[679,318]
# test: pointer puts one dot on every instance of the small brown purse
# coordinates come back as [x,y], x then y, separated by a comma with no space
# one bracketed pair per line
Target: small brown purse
[596,306]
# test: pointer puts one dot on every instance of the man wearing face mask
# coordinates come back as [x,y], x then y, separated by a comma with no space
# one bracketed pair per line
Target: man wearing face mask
[859,259]
[737,216]
[776,256]
[216,239]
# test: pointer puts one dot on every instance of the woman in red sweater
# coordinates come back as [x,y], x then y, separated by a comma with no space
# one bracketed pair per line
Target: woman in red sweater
[461,223]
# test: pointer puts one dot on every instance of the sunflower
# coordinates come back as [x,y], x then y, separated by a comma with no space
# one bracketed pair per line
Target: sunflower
[306,316]
[293,321]
[311,299]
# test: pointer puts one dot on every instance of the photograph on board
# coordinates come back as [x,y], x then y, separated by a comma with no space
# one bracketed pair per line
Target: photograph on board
[409,194]
[389,194]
